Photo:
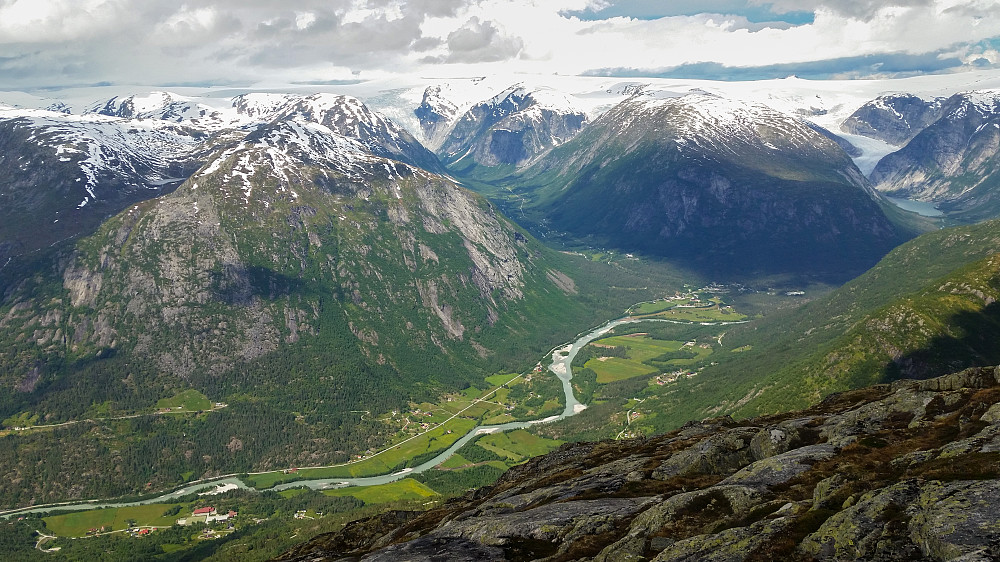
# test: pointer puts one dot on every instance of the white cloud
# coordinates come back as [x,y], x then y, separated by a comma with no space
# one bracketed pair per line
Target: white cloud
[57,42]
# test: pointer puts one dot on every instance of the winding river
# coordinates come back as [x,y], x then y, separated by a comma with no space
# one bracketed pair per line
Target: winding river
[562,360]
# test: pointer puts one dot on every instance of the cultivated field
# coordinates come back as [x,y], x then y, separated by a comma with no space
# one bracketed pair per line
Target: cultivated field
[645,356]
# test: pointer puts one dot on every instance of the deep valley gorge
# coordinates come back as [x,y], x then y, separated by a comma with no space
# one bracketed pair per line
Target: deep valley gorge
[558,318]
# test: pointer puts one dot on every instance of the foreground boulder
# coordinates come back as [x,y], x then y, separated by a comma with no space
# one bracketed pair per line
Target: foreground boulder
[907,471]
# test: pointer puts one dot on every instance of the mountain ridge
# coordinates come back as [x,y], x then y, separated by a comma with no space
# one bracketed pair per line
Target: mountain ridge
[720,184]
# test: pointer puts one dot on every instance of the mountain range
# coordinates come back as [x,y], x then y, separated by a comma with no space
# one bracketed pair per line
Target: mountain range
[720,185]
[310,266]
[947,151]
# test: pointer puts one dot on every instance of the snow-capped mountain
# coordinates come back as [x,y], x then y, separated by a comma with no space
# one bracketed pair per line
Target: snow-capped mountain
[894,118]
[61,174]
[722,184]
[349,117]
[436,114]
[161,106]
[955,161]
[512,128]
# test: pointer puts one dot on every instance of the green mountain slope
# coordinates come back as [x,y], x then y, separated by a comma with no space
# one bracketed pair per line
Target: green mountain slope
[926,309]
[297,278]
[729,188]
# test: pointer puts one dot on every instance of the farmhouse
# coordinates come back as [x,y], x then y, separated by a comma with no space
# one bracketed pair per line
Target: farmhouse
[204,511]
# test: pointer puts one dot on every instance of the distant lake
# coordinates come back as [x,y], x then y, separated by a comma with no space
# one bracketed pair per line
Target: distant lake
[920,207]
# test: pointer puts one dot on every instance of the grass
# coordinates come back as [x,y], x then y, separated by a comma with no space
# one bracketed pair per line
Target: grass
[455,461]
[641,350]
[652,307]
[701,314]
[613,369]
[77,524]
[189,400]
[501,379]
[400,490]
[517,445]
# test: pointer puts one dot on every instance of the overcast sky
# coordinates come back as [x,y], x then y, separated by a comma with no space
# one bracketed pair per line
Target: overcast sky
[57,43]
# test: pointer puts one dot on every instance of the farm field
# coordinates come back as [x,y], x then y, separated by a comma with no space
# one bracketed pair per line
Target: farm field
[76,524]
[642,350]
[400,490]
[188,400]
[517,445]
[712,313]
[652,307]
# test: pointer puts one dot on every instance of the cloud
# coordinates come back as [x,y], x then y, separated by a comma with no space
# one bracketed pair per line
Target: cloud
[856,9]
[48,43]
[654,9]
[892,65]
[481,41]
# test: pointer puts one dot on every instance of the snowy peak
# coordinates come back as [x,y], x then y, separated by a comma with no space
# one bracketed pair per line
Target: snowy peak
[517,98]
[345,115]
[163,106]
[726,128]
[953,161]
[348,116]
[514,127]
[436,113]
[893,118]
[984,104]
[262,106]
[109,151]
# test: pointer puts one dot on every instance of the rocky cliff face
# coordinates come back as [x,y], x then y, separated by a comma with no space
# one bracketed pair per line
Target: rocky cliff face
[436,113]
[953,161]
[906,471]
[512,128]
[297,271]
[721,184]
[895,118]
[217,267]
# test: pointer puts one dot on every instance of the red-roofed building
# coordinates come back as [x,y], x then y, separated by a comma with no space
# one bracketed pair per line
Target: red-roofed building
[204,511]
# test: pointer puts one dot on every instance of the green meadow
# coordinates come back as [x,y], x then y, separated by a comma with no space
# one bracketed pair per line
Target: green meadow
[400,490]
[644,356]
[189,400]
[77,523]
[517,445]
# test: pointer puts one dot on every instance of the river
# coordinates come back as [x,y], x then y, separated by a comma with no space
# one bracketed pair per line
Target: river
[562,367]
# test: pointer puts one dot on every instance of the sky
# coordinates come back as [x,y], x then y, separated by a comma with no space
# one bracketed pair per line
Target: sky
[52,44]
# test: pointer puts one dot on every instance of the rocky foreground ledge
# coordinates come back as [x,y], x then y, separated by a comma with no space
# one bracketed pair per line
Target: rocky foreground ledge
[907,471]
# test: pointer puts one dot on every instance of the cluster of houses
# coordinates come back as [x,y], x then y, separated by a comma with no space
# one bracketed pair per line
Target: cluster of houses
[667,378]
[206,515]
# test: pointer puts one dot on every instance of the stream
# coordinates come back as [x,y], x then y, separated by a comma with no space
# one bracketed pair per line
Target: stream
[561,367]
